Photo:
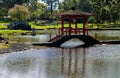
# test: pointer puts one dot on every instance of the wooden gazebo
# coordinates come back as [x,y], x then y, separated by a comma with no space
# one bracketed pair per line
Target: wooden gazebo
[70,15]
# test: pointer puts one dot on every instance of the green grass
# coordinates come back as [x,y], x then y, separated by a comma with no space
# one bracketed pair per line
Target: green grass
[52,26]
[13,32]
[5,31]
[3,46]
[89,25]
[3,25]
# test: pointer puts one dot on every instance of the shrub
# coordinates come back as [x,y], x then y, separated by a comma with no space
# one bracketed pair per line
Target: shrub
[19,13]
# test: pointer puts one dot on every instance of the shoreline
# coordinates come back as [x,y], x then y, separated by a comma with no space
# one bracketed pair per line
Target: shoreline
[15,48]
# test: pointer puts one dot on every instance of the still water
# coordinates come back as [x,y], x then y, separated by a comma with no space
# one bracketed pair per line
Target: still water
[98,61]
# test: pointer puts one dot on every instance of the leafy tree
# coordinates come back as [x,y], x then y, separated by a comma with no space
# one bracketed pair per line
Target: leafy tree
[11,3]
[105,10]
[37,9]
[78,4]
[115,11]
[32,5]
[7,4]
[3,11]
[67,4]
[40,10]
[52,4]
[19,13]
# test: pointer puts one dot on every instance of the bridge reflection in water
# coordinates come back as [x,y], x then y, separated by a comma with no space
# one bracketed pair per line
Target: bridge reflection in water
[100,61]
[74,64]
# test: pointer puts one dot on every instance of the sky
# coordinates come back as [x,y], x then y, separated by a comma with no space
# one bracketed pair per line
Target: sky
[43,2]
[46,4]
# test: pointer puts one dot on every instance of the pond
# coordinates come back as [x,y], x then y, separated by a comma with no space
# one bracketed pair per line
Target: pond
[98,61]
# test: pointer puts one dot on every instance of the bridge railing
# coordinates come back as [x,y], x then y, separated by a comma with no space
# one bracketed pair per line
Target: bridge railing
[72,31]
[59,32]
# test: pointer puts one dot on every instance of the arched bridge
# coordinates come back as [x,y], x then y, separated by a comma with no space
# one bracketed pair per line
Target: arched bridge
[88,40]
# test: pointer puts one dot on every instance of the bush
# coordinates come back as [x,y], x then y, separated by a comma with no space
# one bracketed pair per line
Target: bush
[19,25]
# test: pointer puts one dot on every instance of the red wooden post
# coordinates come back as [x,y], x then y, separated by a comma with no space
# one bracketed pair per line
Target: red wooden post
[69,25]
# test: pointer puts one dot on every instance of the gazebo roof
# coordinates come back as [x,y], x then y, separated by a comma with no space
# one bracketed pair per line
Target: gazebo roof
[75,12]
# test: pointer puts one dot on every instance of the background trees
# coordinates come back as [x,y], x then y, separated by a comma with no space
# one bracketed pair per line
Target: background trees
[37,9]
[104,10]
[52,5]
[10,3]
[5,5]
[19,13]
[39,12]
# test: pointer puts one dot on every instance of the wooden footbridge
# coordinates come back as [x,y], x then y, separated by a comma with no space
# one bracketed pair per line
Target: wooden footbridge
[56,42]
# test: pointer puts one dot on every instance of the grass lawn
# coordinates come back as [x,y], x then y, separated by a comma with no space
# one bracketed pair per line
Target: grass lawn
[13,32]
[3,46]
[59,25]
[5,31]
[3,25]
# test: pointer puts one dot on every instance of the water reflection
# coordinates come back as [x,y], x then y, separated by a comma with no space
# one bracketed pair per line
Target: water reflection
[73,65]
[72,43]
[99,61]
[36,38]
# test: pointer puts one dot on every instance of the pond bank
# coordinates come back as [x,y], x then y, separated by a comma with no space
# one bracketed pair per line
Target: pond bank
[15,48]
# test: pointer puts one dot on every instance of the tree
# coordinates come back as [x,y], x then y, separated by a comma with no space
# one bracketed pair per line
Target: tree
[52,5]
[3,11]
[78,4]
[37,9]
[7,4]
[105,10]
[40,10]
[19,13]
[11,3]
[67,4]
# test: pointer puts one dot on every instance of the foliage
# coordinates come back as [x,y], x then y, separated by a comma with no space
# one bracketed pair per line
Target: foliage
[19,13]
[10,3]
[78,4]
[105,10]
[3,11]
[7,4]
[91,19]
[52,5]
[39,11]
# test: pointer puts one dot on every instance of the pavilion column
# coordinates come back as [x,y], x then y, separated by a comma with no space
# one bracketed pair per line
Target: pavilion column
[84,24]
[76,28]
[62,29]
[70,25]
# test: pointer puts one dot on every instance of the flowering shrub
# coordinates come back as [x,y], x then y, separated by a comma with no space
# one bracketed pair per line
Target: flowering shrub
[19,13]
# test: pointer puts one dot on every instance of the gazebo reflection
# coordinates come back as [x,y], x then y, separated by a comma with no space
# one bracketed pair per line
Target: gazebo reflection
[74,64]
